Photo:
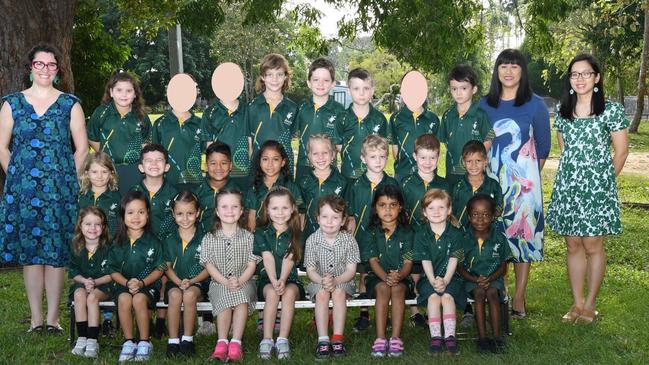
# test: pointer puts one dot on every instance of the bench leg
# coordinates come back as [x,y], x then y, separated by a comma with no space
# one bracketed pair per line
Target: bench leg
[73,326]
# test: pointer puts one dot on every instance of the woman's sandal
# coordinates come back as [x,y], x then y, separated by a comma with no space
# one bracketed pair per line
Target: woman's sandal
[36,329]
[587,316]
[573,314]
[54,329]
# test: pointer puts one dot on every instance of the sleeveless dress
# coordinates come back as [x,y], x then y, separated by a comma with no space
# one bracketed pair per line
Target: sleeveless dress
[39,205]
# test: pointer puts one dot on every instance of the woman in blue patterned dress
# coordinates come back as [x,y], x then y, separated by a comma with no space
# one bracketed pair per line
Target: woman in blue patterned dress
[39,205]
[521,122]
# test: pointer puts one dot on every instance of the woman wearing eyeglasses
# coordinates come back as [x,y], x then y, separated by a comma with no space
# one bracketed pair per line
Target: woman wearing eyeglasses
[584,206]
[39,206]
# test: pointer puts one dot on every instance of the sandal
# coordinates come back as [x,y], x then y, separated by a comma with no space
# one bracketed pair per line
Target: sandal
[573,314]
[54,329]
[587,316]
[36,329]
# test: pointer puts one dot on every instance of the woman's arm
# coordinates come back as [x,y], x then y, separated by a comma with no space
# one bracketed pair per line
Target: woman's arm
[79,136]
[620,141]
[561,141]
[6,126]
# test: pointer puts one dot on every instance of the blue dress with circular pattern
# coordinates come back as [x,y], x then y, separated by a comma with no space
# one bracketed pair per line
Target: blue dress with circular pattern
[39,205]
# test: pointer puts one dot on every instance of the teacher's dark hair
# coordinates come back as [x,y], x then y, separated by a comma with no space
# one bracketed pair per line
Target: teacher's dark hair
[568,101]
[46,48]
[524,92]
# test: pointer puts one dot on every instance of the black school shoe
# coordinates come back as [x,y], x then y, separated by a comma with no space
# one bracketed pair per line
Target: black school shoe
[499,345]
[484,345]
[173,350]
[362,323]
[418,320]
[323,350]
[187,348]
[339,349]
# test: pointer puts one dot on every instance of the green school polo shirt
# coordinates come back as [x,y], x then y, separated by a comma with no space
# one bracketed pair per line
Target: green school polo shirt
[456,132]
[413,188]
[350,133]
[405,128]
[483,261]
[438,250]
[267,240]
[311,121]
[230,127]
[89,267]
[278,125]
[206,199]
[184,262]
[161,217]
[137,260]
[391,251]
[183,143]
[312,190]
[108,202]
[359,196]
[121,138]
[462,192]
[256,195]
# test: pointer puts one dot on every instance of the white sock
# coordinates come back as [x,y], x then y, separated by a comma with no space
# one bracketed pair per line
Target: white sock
[281,339]
[223,340]
[323,338]
[188,338]
[235,341]
[174,341]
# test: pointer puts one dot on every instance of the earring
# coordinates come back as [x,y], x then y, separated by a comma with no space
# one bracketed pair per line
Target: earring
[571,91]
[31,78]
[595,89]
[56,80]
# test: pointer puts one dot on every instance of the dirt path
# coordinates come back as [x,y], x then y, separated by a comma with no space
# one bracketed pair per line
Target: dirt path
[636,163]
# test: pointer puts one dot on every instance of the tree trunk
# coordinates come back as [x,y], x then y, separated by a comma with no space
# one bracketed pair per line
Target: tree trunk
[619,83]
[27,23]
[642,79]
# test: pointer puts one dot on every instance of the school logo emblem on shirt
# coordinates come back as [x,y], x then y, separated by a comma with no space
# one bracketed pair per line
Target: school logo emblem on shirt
[113,206]
[287,120]
[376,128]
[474,131]
[149,255]
[197,136]
[331,121]
[338,190]
[103,263]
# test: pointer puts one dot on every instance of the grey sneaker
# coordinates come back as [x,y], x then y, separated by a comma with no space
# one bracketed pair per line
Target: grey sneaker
[128,351]
[467,321]
[80,347]
[144,349]
[283,350]
[92,349]
[266,349]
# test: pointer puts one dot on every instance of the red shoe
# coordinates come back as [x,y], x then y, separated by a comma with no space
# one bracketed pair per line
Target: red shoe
[220,351]
[235,352]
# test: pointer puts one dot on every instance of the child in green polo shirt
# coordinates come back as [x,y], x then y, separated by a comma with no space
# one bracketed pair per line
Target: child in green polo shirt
[136,265]
[318,114]
[98,187]
[359,194]
[120,127]
[359,121]
[271,115]
[187,282]
[486,254]
[463,122]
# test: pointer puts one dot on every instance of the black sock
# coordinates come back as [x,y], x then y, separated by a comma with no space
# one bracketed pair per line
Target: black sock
[160,325]
[93,332]
[208,317]
[82,329]
[141,340]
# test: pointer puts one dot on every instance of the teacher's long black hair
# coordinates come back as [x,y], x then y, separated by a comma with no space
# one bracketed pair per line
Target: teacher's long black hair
[569,101]
[524,93]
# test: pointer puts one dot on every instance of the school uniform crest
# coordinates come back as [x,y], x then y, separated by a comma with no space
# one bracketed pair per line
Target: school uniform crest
[103,263]
[288,120]
[331,121]
[338,190]
[376,128]
[149,255]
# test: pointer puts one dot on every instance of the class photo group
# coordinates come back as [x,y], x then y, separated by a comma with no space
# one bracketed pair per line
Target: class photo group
[276,202]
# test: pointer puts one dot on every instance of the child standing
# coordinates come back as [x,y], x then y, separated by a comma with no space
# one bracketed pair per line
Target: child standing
[277,241]
[99,188]
[136,266]
[359,121]
[318,114]
[271,115]
[226,254]
[463,122]
[187,282]
[91,281]
[269,168]
[486,254]
[120,127]
[330,259]
[475,181]
[438,245]
[389,251]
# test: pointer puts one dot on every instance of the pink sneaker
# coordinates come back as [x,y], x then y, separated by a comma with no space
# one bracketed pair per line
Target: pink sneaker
[235,353]
[220,351]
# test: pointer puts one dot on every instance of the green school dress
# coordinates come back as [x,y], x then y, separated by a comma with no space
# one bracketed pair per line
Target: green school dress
[206,199]
[90,266]
[463,191]
[108,202]
[161,217]
[483,259]
[414,188]
[256,194]
[184,261]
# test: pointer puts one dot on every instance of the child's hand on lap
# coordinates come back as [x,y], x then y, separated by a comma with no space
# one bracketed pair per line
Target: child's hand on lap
[185,284]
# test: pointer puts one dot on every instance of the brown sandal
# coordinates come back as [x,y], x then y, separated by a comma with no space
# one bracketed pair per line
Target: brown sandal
[587,316]
[573,314]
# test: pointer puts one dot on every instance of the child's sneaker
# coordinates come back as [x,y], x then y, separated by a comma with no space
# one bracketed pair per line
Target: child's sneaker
[436,345]
[92,348]
[144,349]
[323,350]
[396,347]
[499,345]
[187,348]
[235,352]
[80,347]
[451,345]
[338,349]
[129,349]
[380,347]
[266,349]
[220,351]
[483,345]
[207,328]
[283,350]
[418,320]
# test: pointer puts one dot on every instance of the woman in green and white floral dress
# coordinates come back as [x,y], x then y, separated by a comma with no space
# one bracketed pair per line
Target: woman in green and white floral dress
[585,205]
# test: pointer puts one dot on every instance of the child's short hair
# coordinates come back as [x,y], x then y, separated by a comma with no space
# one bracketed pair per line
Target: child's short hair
[322,63]
[79,241]
[185,196]
[474,146]
[336,203]
[138,102]
[153,147]
[491,203]
[427,142]
[294,225]
[360,73]
[322,138]
[101,159]
[461,73]
[242,223]
[273,61]
[122,230]
[218,147]
[374,142]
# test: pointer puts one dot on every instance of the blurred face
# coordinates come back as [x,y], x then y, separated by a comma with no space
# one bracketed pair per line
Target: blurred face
[375,160]
[136,215]
[320,154]
[271,162]
[123,93]
[218,167]
[437,211]
[426,160]
[98,176]
[153,164]
[229,208]
[361,90]
[280,209]
[185,214]
[91,228]
[274,79]
[387,209]
[462,91]
[320,82]
[480,216]
[583,78]
[475,164]
[44,68]
[509,75]
[330,221]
